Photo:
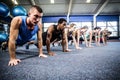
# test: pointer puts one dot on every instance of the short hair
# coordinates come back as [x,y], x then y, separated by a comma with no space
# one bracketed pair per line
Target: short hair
[97,28]
[85,27]
[109,32]
[61,20]
[39,9]
[72,25]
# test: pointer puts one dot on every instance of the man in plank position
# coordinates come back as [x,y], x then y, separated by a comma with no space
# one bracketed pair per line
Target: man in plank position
[54,32]
[21,31]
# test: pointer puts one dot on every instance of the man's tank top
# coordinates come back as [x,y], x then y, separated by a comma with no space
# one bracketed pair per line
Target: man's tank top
[25,34]
[56,34]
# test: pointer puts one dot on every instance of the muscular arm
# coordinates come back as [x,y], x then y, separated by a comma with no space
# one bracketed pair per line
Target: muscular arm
[65,40]
[74,40]
[49,36]
[39,37]
[14,29]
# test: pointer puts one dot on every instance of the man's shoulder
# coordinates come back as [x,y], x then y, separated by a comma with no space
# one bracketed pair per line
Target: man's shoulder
[51,27]
[17,18]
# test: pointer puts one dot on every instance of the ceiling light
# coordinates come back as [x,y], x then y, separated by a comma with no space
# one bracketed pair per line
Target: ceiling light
[88,1]
[15,2]
[52,1]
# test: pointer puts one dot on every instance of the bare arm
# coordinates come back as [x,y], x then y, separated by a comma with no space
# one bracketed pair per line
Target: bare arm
[96,38]
[14,29]
[39,37]
[49,36]
[65,40]
[76,33]
[78,37]
[90,33]
[85,38]
[99,38]
[103,37]
[74,40]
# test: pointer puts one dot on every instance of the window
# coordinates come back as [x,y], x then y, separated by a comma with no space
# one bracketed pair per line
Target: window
[78,24]
[112,26]
[89,24]
[81,24]
[46,25]
[101,24]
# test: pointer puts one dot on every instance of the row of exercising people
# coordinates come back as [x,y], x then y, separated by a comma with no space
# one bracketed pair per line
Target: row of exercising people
[23,28]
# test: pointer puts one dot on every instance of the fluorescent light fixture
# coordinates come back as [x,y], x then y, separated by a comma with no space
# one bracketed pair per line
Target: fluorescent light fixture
[52,1]
[15,2]
[88,1]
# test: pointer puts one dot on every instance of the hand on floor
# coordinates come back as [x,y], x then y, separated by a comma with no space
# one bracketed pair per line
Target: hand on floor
[51,53]
[79,48]
[14,62]
[67,50]
[43,55]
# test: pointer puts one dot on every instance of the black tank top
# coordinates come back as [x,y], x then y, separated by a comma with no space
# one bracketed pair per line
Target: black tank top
[56,34]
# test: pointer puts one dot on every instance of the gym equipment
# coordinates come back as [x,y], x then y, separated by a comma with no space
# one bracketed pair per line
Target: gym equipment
[19,11]
[3,37]
[4,10]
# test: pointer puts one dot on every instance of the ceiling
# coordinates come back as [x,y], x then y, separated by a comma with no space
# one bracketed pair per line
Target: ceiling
[71,7]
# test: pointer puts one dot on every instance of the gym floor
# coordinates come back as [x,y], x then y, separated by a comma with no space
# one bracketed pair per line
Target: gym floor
[98,63]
